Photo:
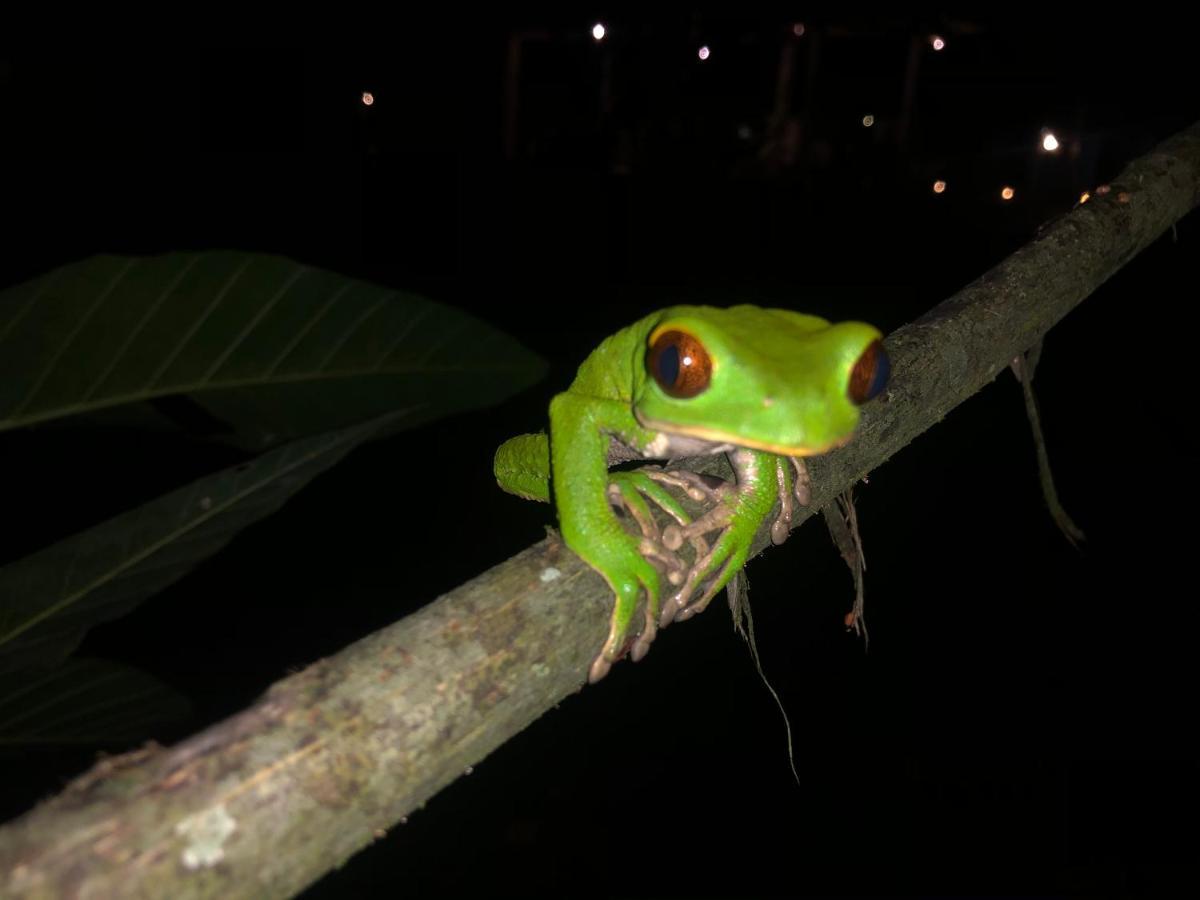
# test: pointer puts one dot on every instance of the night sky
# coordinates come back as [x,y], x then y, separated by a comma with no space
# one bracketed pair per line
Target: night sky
[1021,721]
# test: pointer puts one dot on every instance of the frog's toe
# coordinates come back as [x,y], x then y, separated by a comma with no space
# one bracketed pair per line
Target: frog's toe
[667,616]
[639,576]
[672,537]
[641,646]
[613,647]
[599,669]
[780,529]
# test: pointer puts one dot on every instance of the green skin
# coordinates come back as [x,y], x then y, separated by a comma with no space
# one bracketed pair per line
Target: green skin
[778,393]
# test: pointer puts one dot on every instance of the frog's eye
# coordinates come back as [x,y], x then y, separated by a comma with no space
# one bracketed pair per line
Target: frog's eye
[679,363]
[870,374]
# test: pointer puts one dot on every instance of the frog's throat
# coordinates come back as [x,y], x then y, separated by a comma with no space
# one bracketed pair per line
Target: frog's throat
[716,436]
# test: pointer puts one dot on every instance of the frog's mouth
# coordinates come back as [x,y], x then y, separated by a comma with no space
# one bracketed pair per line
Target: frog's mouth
[716,436]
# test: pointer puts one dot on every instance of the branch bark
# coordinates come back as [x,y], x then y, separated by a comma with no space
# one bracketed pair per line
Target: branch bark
[327,760]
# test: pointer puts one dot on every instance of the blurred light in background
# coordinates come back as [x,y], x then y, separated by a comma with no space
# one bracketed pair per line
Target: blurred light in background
[1007,193]
[939,187]
[599,31]
[703,52]
[937,42]
[1049,142]
[367,98]
[868,121]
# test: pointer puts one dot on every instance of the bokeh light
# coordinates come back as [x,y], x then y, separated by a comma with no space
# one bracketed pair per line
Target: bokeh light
[599,31]
[868,121]
[368,98]
[939,187]
[937,42]
[1049,142]
[1007,193]
[798,29]
[704,52]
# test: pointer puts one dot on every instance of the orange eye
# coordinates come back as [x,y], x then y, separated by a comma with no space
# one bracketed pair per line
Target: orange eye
[870,374]
[679,363]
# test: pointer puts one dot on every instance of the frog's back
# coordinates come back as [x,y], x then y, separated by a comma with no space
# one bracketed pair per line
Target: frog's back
[608,372]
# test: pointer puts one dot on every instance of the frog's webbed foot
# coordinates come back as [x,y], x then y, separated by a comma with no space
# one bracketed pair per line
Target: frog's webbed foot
[707,557]
[629,573]
[628,492]
[792,491]
[701,489]
[685,603]
[734,512]
[798,489]
[736,516]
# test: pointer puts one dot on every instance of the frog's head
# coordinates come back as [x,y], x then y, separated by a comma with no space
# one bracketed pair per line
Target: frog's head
[770,379]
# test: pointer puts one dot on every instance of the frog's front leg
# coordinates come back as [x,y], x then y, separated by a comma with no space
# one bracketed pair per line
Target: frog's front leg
[579,439]
[761,479]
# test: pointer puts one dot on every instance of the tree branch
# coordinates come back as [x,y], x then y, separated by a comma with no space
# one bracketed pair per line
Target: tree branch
[266,802]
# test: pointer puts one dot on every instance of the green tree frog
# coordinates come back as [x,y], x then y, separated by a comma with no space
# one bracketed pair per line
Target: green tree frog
[767,387]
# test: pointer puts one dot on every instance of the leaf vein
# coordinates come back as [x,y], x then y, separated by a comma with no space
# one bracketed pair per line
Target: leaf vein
[70,339]
[137,329]
[195,326]
[249,326]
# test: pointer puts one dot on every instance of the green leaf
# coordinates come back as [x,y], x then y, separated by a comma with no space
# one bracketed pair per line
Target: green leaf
[48,600]
[272,348]
[84,701]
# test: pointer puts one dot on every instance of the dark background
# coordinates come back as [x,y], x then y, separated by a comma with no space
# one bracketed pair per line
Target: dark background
[1022,722]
